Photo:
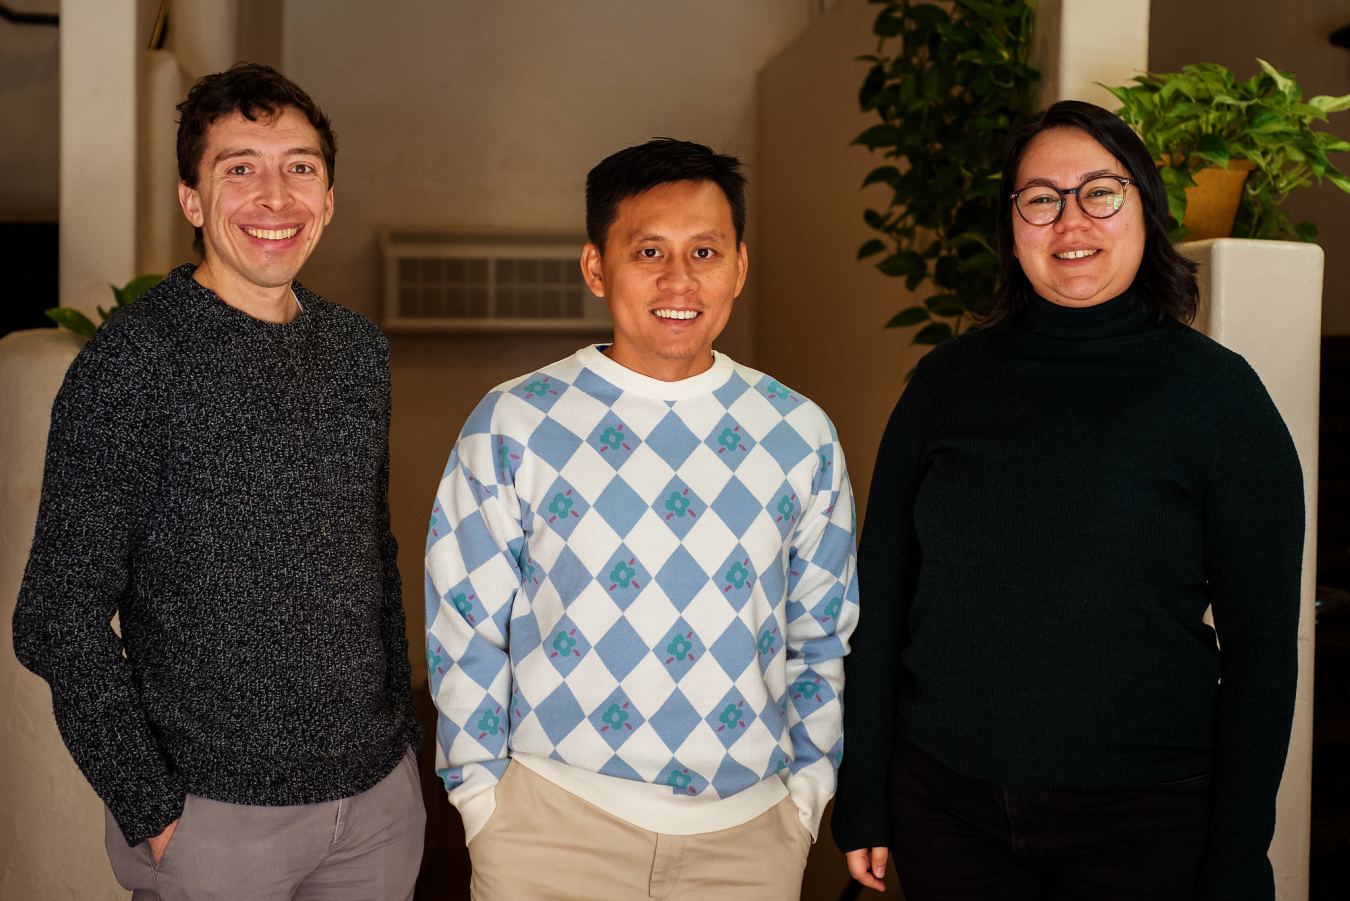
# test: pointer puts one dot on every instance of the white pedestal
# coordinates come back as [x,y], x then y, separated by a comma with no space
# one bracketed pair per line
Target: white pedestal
[1263,299]
[51,822]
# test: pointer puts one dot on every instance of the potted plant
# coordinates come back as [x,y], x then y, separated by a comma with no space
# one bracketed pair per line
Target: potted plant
[949,83]
[1206,130]
[82,325]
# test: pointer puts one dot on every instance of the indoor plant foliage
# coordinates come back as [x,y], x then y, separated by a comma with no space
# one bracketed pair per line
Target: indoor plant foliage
[1202,115]
[83,326]
[948,96]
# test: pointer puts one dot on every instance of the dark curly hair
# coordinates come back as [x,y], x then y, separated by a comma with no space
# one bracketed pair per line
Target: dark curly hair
[1165,280]
[254,91]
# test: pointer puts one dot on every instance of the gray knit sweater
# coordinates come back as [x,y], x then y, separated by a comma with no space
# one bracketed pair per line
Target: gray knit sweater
[220,482]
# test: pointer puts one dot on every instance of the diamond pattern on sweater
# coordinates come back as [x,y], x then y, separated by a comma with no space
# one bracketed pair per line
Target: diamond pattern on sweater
[681,578]
[679,506]
[733,389]
[593,385]
[736,506]
[540,391]
[732,777]
[614,441]
[769,642]
[785,508]
[734,649]
[507,453]
[681,779]
[616,718]
[565,645]
[680,649]
[672,440]
[731,717]
[564,508]
[786,446]
[675,720]
[488,725]
[559,714]
[621,649]
[569,576]
[736,578]
[620,506]
[784,400]
[554,443]
[625,578]
[730,442]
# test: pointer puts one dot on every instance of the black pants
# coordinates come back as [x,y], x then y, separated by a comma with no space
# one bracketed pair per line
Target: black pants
[954,838]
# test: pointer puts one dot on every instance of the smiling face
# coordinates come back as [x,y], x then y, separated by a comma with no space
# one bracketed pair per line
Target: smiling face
[1078,261]
[262,199]
[669,273]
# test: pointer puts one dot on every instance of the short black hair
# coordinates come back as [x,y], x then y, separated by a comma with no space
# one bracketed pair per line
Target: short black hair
[1165,280]
[254,91]
[659,161]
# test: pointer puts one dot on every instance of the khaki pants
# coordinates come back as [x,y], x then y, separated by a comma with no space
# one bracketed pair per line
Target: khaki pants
[543,842]
[363,848]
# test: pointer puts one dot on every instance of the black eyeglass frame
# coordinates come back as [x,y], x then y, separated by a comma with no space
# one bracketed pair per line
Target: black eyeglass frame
[1125,190]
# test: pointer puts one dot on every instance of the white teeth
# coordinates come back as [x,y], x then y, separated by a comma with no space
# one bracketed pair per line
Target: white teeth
[272,234]
[676,314]
[1075,254]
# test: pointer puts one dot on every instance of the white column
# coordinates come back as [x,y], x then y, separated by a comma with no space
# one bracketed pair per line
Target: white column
[1263,299]
[98,150]
[1080,42]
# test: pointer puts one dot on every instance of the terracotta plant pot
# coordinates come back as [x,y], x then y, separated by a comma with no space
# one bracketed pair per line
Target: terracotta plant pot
[1212,205]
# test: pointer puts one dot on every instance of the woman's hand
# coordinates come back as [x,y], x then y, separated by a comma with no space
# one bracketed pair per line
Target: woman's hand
[868,866]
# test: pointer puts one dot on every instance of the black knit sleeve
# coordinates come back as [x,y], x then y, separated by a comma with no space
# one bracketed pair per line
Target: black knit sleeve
[100,477]
[1254,529]
[393,621]
[888,564]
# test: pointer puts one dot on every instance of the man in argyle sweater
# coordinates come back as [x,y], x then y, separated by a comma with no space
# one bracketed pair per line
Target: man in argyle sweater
[640,581]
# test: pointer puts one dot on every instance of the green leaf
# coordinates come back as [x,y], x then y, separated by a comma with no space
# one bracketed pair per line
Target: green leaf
[887,174]
[908,317]
[71,320]
[1339,181]
[1306,231]
[1214,149]
[945,305]
[1287,86]
[982,260]
[879,136]
[906,262]
[933,333]
[871,248]
[1330,104]
[1267,121]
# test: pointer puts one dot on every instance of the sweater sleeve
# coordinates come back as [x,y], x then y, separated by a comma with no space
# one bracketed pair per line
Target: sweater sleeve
[101,474]
[823,595]
[393,620]
[475,557]
[888,564]
[1254,530]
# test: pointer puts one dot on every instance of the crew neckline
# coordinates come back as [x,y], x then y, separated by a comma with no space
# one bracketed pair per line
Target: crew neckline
[622,377]
[220,304]
[1124,314]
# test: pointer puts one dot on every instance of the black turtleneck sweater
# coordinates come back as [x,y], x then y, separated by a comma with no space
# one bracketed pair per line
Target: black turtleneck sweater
[1054,506]
[221,483]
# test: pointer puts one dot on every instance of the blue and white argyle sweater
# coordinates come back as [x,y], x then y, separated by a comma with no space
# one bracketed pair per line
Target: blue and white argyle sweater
[643,591]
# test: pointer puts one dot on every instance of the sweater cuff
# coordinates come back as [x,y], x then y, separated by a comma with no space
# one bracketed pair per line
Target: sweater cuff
[147,815]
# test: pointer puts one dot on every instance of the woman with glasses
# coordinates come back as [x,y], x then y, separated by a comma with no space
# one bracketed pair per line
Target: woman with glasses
[1035,707]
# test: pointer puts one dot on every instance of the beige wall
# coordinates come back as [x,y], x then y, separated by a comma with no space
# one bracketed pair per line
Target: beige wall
[29,139]
[820,313]
[1292,37]
[477,115]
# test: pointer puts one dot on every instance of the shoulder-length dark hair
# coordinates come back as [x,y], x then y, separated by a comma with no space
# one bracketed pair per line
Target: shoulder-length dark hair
[1166,279]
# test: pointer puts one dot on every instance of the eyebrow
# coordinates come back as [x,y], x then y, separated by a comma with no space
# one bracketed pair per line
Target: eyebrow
[294,151]
[1086,177]
[701,236]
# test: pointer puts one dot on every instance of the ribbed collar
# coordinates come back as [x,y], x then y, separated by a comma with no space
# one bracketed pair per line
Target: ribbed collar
[1124,314]
[181,280]
[625,379]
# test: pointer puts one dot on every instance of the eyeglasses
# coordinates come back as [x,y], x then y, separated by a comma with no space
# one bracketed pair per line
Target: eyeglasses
[1100,197]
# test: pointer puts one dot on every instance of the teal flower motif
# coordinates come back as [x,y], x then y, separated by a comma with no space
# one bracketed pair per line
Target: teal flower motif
[563,643]
[611,438]
[503,456]
[737,575]
[785,506]
[536,387]
[526,570]
[614,717]
[679,779]
[560,505]
[434,660]
[462,604]
[766,641]
[679,646]
[808,690]
[832,608]
[730,717]
[728,439]
[489,723]
[677,504]
[622,574]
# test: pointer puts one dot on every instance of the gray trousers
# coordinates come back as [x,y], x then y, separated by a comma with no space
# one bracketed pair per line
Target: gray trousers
[363,848]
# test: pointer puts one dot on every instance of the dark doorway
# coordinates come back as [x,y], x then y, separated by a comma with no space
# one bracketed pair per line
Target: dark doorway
[28,274]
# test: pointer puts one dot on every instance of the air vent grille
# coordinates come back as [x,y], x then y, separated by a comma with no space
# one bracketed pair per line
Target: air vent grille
[474,283]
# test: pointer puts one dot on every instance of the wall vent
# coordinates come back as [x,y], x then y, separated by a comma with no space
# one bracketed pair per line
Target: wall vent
[453,282]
